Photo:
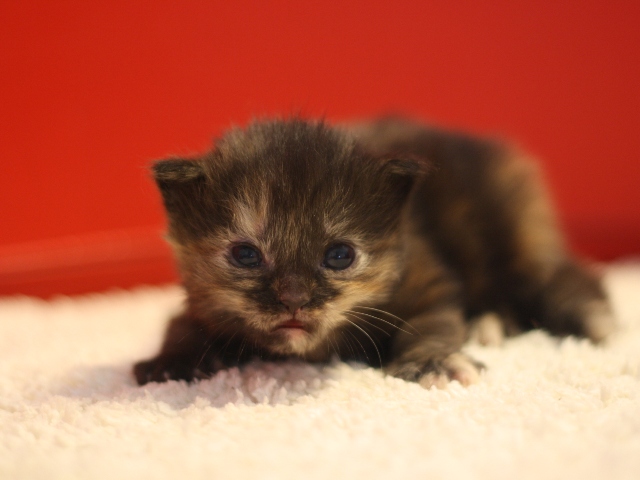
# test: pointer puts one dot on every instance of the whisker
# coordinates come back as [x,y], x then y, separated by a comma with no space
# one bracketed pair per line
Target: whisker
[353,353]
[369,336]
[226,345]
[330,347]
[204,354]
[210,342]
[189,332]
[355,357]
[391,315]
[381,319]
[334,344]
[351,314]
[213,325]
[244,341]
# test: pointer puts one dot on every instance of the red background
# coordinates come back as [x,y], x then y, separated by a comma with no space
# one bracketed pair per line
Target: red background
[92,91]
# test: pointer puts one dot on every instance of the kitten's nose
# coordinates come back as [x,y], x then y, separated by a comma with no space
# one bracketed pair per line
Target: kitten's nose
[294,299]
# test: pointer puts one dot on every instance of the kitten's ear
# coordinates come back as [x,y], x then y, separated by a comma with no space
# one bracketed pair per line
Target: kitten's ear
[402,173]
[179,181]
[176,170]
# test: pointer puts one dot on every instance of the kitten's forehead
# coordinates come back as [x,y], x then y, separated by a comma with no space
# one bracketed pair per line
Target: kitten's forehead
[286,157]
[290,176]
[300,184]
[249,219]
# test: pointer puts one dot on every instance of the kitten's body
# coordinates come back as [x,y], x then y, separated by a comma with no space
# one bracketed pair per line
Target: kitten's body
[380,243]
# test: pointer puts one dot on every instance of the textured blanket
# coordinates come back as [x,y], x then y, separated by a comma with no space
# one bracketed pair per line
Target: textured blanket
[545,408]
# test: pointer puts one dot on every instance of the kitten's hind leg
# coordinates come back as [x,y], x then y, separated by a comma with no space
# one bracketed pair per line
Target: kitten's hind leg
[573,302]
[487,329]
[432,356]
[538,279]
[491,328]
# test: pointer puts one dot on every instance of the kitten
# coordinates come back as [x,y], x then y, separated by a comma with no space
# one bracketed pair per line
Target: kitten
[388,243]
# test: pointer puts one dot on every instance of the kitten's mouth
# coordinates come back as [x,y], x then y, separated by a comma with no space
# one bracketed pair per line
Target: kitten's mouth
[291,324]
[293,336]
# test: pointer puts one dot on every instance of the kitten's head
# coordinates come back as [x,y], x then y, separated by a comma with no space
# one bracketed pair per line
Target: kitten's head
[284,227]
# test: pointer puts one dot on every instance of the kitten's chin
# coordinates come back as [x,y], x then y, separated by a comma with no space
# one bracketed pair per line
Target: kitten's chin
[291,341]
[304,334]
[293,337]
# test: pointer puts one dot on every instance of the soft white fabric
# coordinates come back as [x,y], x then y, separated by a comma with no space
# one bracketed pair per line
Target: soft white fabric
[69,408]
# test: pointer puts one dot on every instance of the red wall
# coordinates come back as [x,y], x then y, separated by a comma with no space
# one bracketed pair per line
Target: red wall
[92,91]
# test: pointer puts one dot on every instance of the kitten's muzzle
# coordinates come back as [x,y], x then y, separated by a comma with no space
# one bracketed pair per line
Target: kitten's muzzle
[294,298]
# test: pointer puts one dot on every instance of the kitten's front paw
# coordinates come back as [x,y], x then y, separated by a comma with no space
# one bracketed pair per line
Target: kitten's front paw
[167,367]
[438,372]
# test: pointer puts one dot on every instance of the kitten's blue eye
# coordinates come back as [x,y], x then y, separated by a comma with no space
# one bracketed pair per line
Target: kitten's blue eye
[339,257]
[246,255]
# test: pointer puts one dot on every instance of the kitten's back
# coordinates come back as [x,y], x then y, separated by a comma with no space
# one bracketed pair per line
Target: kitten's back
[485,211]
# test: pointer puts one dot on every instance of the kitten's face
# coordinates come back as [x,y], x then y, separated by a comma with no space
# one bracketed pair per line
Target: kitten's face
[284,229]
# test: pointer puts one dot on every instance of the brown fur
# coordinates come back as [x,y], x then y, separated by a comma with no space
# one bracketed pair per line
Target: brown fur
[445,228]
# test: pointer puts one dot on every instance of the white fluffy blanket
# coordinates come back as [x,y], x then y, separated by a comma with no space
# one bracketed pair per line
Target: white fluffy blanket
[69,408]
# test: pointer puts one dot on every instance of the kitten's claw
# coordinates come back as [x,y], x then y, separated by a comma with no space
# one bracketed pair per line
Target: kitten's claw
[438,373]
[165,367]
